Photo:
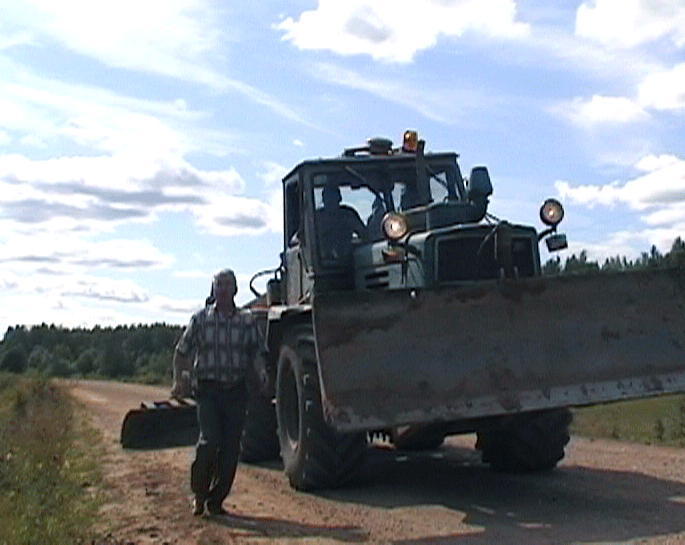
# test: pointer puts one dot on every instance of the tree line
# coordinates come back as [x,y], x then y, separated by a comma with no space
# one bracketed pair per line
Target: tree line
[580,263]
[140,352]
[144,352]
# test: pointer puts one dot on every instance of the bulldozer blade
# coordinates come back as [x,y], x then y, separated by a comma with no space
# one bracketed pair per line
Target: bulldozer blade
[422,356]
[161,424]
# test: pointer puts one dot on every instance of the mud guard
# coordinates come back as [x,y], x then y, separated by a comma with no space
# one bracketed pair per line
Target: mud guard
[161,424]
[420,356]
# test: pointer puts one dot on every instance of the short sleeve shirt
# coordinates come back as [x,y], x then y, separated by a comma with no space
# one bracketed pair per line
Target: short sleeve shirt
[223,345]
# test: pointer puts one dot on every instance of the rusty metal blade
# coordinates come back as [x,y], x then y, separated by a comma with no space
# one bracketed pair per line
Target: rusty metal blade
[161,424]
[405,357]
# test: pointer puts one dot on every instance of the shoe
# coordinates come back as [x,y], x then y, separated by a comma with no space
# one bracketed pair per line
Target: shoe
[216,510]
[198,507]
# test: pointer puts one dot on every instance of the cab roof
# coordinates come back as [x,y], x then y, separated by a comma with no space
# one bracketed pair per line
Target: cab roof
[362,158]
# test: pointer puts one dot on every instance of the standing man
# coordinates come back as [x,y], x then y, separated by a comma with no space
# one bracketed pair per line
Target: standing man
[222,342]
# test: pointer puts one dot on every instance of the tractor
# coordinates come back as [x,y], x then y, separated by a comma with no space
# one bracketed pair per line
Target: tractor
[401,308]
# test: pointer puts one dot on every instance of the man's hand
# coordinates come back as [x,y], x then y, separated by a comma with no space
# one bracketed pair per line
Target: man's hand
[182,387]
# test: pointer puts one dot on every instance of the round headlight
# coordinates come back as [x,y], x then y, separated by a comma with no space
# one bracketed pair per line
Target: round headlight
[551,212]
[395,226]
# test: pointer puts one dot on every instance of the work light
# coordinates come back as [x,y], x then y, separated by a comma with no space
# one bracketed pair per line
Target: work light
[394,226]
[551,212]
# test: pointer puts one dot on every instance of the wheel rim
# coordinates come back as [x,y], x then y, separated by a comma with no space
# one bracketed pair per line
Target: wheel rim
[290,415]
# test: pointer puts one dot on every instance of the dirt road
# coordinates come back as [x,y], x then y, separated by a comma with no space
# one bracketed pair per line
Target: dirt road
[602,492]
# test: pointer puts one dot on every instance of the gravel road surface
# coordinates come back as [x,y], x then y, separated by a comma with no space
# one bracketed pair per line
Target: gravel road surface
[602,492]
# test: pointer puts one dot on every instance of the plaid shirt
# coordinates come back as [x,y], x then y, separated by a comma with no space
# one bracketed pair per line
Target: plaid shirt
[224,346]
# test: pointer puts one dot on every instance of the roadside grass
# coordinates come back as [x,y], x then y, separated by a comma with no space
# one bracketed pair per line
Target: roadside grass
[47,470]
[652,421]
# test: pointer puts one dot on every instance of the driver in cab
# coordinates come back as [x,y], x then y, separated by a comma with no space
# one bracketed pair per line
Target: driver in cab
[338,225]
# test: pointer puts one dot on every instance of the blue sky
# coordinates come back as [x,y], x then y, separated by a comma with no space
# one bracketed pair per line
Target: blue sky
[142,142]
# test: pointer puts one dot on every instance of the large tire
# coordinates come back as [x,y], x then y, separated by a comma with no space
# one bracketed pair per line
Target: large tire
[526,443]
[259,442]
[314,455]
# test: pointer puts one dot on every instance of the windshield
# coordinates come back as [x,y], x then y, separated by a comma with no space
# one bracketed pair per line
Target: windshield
[365,193]
[392,184]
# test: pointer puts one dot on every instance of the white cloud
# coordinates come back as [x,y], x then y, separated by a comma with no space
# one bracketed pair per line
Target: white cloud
[193,273]
[98,119]
[184,42]
[47,277]
[93,194]
[673,214]
[627,23]
[664,90]
[121,34]
[64,255]
[622,243]
[87,301]
[133,166]
[273,173]
[80,286]
[182,309]
[274,194]
[660,192]
[13,40]
[33,141]
[448,106]
[8,280]
[120,291]
[228,215]
[655,163]
[628,243]
[395,32]
[601,110]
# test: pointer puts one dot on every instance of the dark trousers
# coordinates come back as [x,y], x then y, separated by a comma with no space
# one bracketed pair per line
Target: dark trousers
[221,416]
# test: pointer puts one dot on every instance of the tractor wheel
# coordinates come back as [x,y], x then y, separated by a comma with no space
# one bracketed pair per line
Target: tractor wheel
[526,443]
[314,455]
[417,438]
[259,442]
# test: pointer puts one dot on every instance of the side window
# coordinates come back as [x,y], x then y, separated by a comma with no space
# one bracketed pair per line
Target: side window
[292,210]
[438,185]
[319,181]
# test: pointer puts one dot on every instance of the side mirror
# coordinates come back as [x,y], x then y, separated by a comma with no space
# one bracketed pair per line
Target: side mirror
[479,185]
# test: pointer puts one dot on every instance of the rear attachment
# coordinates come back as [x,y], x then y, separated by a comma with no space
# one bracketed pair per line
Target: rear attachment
[162,424]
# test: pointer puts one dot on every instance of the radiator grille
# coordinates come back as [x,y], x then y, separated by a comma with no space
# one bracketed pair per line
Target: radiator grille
[377,280]
[462,258]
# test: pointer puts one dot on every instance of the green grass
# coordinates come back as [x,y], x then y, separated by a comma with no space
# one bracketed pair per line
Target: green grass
[45,469]
[652,421]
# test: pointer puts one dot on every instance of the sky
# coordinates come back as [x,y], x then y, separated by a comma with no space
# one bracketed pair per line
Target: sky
[142,143]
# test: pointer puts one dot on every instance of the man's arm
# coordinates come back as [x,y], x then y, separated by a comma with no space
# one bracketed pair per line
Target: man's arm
[182,386]
[182,364]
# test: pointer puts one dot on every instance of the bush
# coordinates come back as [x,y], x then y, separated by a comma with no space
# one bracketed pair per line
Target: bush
[13,361]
